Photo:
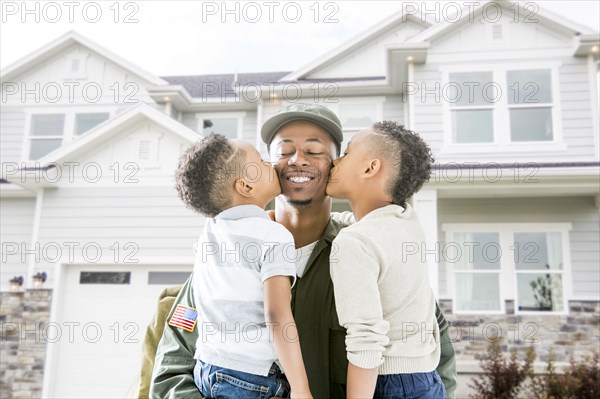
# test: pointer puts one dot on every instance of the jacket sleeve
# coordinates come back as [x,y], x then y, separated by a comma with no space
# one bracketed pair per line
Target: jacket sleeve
[173,374]
[153,334]
[447,366]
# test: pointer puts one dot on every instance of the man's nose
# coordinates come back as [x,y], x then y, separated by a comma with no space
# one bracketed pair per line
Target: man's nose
[298,159]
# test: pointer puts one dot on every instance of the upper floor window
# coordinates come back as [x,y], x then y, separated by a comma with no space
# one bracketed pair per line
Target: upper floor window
[502,106]
[46,134]
[357,114]
[229,124]
[530,105]
[48,131]
[489,263]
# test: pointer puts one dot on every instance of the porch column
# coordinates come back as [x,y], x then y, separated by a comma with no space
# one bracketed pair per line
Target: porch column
[425,204]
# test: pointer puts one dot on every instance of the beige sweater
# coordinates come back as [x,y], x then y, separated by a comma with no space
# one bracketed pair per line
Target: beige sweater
[382,293]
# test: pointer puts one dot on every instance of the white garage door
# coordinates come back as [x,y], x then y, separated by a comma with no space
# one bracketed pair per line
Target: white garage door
[98,327]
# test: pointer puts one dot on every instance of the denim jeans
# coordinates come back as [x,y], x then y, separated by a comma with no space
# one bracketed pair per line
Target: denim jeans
[410,386]
[220,383]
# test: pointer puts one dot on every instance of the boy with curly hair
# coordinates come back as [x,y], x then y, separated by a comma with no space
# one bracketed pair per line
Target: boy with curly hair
[383,298]
[242,276]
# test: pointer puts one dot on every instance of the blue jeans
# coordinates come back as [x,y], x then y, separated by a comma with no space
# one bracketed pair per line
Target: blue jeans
[410,386]
[220,383]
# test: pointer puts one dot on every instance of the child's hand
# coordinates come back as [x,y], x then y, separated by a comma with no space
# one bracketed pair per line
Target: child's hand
[301,395]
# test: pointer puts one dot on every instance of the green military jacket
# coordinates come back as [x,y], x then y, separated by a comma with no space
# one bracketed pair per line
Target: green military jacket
[322,339]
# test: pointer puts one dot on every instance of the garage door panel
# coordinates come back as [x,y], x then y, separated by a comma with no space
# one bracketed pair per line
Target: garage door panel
[102,329]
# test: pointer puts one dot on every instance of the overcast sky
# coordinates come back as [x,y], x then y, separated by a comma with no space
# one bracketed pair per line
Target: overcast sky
[189,37]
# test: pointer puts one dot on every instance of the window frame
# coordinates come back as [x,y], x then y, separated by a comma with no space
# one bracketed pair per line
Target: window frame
[201,116]
[68,133]
[508,272]
[501,112]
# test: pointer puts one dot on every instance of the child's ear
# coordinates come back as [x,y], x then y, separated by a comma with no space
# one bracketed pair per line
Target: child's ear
[373,167]
[243,188]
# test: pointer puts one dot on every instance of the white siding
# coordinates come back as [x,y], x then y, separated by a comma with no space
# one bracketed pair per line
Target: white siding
[16,231]
[249,127]
[580,211]
[428,114]
[370,58]
[393,109]
[576,107]
[12,128]
[152,220]
[189,120]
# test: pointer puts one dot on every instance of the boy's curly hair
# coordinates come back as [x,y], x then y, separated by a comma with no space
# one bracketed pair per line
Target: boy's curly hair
[409,156]
[206,174]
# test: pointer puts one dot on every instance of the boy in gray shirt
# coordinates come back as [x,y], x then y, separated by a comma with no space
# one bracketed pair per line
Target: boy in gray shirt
[242,276]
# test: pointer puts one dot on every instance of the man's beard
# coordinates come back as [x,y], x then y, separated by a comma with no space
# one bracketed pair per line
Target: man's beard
[300,203]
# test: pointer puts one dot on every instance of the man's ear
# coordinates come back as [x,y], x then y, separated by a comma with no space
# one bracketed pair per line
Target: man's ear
[243,188]
[373,168]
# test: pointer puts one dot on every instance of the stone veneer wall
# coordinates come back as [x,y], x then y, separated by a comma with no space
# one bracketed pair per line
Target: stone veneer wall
[22,345]
[576,334]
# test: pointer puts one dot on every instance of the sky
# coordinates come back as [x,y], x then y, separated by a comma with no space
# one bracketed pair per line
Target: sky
[202,37]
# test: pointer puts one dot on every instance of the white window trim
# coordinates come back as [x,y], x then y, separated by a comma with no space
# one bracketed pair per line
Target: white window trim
[69,127]
[508,275]
[376,100]
[201,116]
[501,118]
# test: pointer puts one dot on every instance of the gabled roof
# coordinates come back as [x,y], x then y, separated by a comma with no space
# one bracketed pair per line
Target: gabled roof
[114,126]
[218,85]
[358,41]
[545,17]
[64,42]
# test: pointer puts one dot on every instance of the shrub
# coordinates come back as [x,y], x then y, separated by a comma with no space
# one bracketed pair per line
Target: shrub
[502,378]
[580,380]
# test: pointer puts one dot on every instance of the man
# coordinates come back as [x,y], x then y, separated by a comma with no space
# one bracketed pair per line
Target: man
[303,141]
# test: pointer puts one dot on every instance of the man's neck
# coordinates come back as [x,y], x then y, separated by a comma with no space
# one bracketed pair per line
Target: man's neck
[306,224]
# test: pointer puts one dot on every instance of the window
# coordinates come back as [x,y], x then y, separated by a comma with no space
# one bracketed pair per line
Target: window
[357,114]
[501,106]
[46,134]
[488,264]
[85,122]
[472,114]
[229,124]
[530,105]
[48,131]
[539,271]
[104,277]
[228,127]
[477,271]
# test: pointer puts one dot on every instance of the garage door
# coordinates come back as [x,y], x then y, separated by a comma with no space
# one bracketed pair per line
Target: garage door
[99,322]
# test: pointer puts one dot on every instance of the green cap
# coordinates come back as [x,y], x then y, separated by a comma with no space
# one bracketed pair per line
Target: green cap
[315,113]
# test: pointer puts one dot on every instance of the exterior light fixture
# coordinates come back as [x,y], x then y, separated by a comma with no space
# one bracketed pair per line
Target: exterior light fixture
[39,279]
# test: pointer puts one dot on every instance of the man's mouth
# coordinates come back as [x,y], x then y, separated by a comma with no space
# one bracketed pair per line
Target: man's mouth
[299,178]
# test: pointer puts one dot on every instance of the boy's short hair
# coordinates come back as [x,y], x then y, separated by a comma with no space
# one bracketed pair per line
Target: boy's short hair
[206,174]
[408,155]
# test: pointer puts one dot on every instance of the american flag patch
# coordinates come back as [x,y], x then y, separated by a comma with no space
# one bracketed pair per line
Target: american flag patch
[184,317]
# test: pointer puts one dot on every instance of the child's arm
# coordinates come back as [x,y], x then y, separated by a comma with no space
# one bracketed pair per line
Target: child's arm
[277,291]
[355,271]
[361,382]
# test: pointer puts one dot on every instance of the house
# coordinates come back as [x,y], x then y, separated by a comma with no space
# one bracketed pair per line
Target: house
[89,143]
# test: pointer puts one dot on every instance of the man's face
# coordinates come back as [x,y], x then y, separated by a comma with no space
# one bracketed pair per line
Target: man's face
[302,153]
